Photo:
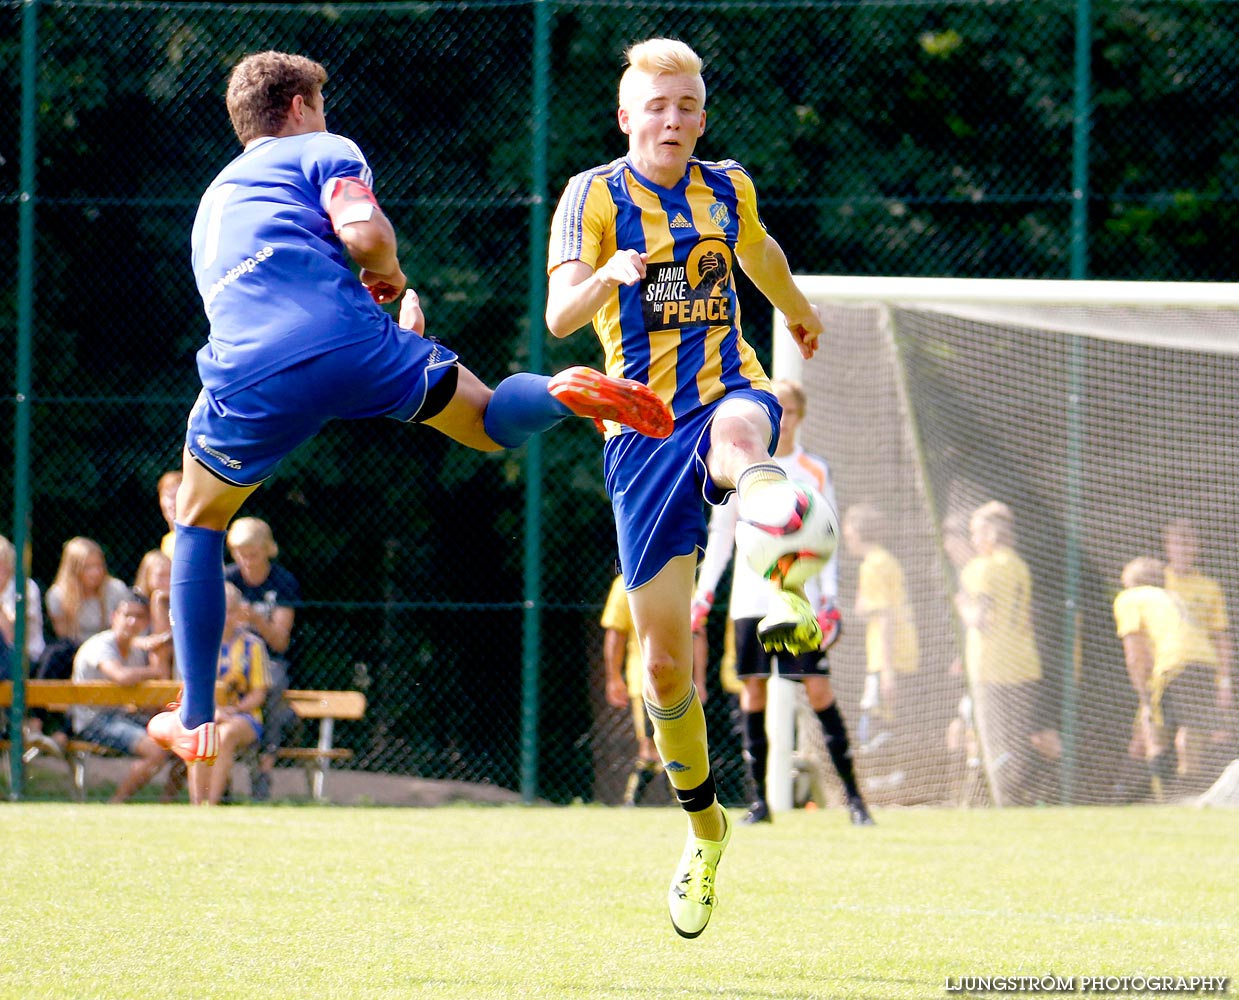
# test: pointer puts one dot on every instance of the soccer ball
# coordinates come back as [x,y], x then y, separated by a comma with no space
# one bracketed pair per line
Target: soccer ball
[787,533]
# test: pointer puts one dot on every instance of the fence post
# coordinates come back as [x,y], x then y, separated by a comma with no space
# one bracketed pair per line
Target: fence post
[531,638]
[1075,400]
[21,396]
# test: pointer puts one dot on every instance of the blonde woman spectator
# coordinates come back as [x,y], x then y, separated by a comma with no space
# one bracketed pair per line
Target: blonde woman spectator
[80,603]
[84,594]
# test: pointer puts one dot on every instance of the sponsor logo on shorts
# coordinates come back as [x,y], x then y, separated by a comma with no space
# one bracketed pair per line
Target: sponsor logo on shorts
[226,461]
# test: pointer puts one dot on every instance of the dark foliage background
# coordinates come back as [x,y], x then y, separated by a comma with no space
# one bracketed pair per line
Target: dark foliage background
[900,138]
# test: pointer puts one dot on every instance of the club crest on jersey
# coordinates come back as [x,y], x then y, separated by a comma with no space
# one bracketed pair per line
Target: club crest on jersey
[719,215]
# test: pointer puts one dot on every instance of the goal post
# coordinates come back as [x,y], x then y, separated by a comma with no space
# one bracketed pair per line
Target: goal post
[1099,413]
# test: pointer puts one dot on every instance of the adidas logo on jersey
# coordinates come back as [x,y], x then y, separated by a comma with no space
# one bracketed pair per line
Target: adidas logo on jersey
[679,222]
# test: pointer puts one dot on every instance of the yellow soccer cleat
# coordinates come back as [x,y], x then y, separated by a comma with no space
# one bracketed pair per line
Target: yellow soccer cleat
[691,898]
[791,625]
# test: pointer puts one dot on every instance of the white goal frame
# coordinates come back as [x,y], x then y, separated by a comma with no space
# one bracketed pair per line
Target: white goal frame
[965,294]
[819,288]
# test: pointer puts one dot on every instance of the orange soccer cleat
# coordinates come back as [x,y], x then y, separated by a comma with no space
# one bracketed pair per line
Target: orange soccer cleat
[191,745]
[589,393]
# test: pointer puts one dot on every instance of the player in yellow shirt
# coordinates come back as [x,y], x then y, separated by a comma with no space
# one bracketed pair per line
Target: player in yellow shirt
[1000,652]
[1204,751]
[625,678]
[625,675]
[1167,657]
[891,647]
[242,670]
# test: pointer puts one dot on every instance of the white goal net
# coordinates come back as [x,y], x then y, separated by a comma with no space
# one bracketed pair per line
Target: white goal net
[1100,414]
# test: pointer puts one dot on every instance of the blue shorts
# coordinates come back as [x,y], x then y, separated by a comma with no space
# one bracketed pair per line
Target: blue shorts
[114,730]
[657,487]
[241,437]
[254,724]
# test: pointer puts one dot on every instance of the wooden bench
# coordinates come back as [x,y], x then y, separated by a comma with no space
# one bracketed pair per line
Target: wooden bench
[325,706]
[59,696]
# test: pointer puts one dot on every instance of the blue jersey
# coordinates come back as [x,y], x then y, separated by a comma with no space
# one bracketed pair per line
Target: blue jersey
[274,277]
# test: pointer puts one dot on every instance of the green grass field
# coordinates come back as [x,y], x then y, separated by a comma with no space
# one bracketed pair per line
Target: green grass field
[475,902]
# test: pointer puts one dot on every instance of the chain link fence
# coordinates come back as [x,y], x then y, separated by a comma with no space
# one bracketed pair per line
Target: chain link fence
[461,591]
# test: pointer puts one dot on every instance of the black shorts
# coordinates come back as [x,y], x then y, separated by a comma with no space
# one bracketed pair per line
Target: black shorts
[1189,701]
[753,661]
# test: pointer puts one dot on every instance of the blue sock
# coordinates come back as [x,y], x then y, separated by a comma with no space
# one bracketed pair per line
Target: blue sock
[196,605]
[520,408]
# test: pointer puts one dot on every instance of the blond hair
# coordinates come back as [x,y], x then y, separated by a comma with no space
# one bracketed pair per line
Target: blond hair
[1144,571]
[146,569]
[656,56]
[68,582]
[253,531]
[793,389]
[999,518]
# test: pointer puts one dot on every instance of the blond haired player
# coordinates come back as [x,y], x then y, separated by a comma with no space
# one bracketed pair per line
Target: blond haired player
[1000,652]
[645,248]
[1206,606]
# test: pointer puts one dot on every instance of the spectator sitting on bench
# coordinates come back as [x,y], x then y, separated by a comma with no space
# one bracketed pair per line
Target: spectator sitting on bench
[153,581]
[238,716]
[119,654]
[271,593]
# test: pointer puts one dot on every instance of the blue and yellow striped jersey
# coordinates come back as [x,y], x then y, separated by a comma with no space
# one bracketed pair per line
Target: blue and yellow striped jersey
[678,330]
[243,667]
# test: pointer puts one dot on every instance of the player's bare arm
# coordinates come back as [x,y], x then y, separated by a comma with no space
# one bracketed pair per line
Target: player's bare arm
[368,236]
[576,291]
[372,244]
[766,264]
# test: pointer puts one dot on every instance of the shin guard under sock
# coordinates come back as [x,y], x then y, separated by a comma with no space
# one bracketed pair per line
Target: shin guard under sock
[196,607]
[520,408]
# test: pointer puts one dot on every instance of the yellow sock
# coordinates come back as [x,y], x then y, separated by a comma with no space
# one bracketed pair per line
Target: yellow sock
[680,735]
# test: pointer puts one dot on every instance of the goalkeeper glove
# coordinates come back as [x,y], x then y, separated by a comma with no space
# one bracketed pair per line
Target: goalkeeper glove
[701,610]
[831,622]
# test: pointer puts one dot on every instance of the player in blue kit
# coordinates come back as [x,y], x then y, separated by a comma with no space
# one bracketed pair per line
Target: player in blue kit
[297,339]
